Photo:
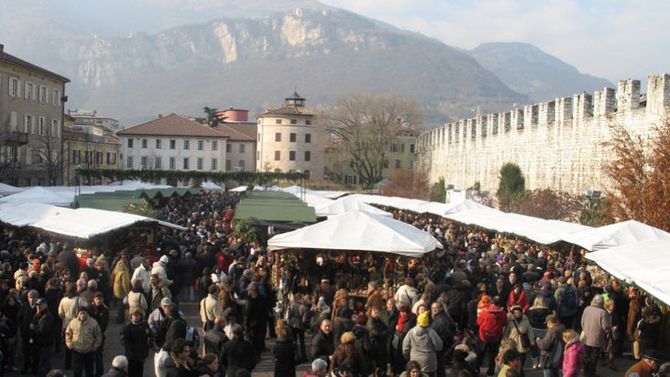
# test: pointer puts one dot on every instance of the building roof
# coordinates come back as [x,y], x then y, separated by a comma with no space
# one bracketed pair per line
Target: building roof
[238,131]
[293,105]
[11,59]
[172,125]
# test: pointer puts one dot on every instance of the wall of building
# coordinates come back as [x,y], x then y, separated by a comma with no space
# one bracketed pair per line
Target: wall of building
[241,155]
[157,156]
[560,144]
[401,155]
[86,150]
[21,112]
[268,146]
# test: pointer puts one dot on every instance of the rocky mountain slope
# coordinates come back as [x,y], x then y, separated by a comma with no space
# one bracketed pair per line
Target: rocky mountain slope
[530,71]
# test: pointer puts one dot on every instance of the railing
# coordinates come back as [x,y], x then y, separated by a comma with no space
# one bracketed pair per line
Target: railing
[15,137]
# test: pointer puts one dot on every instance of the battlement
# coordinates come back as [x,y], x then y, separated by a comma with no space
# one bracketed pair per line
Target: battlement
[565,111]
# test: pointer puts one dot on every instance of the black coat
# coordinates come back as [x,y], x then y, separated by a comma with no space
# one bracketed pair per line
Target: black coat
[44,329]
[284,358]
[445,328]
[237,354]
[136,340]
[113,372]
[214,340]
[25,317]
[322,346]
[176,329]
[256,316]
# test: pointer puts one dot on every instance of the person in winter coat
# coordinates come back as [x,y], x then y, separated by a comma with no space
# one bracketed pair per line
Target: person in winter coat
[119,367]
[255,318]
[159,290]
[120,286]
[43,330]
[518,298]
[518,329]
[406,294]
[379,340]
[209,366]
[323,344]
[67,311]
[136,299]
[596,326]
[362,342]
[491,321]
[143,273]
[215,337]
[537,316]
[549,345]
[136,341]
[83,337]
[238,354]
[100,312]
[445,328]
[347,357]
[178,364]
[375,299]
[573,355]
[422,344]
[284,354]
[25,317]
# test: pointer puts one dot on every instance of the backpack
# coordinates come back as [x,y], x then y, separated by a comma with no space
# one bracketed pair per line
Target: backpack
[192,336]
[569,300]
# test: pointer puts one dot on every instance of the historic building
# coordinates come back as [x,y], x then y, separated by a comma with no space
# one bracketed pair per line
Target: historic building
[560,144]
[173,142]
[240,147]
[91,118]
[31,119]
[289,140]
[88,145]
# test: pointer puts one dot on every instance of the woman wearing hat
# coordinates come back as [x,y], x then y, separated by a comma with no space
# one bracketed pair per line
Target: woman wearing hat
[422,344]
[519,330]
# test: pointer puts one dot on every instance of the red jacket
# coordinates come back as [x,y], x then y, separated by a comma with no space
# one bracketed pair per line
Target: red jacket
[521,299]
[491,322]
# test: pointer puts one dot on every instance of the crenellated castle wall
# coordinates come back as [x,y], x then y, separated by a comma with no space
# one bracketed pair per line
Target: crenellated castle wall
[560,144]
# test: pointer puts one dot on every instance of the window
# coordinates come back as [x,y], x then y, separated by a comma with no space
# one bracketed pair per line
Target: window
[308,138]
[213,164]
[44,94]
[258,155]
[159,143]
[291,155]
[201,145]
[187,144]
[129,162]
[215,145]
[292,137]
[402,148]
[186,164]
[308,122]
[397,164]
[76,157]
[411,148]
[278,121]
[98,158]
[173,163]
[87,157]
[229,165]
[42,126]
[386,164]
[56,98]
[293,121]
[308,156]
[200,163]
[258,137]
[243,148]
[143,162]
[306,174]
[28,124]
[229,148]
[277,155]
[394,148]
[14,87]
[158,163]
[278,136]
[145,142]
[55,128]
[242,164]
[130,143]
[173,144]
[111,158]
[30,91]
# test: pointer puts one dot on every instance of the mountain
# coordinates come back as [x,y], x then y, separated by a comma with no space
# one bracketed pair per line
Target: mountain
[531,71]
[251,62]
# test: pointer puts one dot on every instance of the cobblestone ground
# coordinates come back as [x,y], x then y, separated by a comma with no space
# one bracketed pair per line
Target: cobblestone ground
[265,368]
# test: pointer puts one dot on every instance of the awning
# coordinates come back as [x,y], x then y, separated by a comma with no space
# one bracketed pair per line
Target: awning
[613,235]
[357,230]
[82,223]
[346,204]
[111,203]
[646,264]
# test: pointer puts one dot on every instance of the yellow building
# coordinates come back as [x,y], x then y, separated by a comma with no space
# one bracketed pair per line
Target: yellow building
[88,147]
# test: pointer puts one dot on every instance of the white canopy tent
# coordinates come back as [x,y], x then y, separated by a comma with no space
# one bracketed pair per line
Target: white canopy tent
[646,264]
[81,223]
[209,185]
[346,204]
[357,230]
[613,235]
[239,189]
[6,189]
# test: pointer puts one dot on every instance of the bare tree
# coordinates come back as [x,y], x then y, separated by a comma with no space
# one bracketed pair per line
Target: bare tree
[366,125]
[50,156]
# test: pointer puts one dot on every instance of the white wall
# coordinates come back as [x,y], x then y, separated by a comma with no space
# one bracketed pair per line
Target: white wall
[151,152]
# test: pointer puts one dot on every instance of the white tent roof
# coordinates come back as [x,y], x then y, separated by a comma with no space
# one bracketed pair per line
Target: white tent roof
[81,223]
[346,204]
[618,234]
[6,189]
[239,189]
[357,230]
[208,185]
[647,264]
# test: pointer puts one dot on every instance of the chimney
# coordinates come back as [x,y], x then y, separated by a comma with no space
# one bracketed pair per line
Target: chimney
[2,48]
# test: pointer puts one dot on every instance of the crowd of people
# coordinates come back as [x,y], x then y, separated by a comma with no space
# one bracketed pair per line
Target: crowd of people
[483,305]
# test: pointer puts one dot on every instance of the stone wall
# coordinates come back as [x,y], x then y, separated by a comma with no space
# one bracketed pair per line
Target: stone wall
[560,144]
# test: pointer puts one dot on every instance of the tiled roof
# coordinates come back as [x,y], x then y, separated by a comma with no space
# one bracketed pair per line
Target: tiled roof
[288,110]
[172,125]
[238,132]
[20,62]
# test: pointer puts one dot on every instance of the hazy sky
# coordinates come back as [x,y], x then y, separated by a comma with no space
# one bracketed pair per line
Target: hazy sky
[615,39]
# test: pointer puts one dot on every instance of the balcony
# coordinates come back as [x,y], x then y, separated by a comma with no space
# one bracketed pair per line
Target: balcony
[16,138]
